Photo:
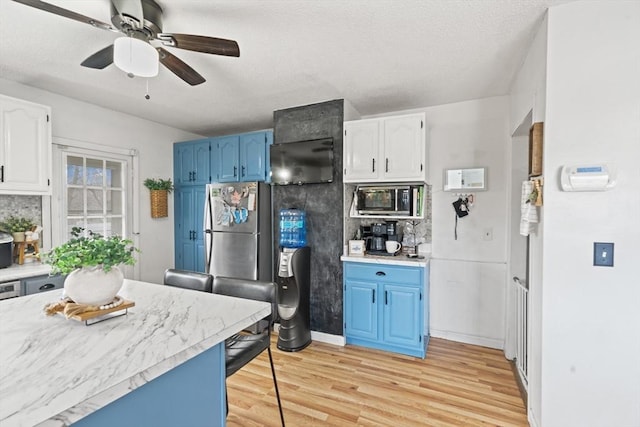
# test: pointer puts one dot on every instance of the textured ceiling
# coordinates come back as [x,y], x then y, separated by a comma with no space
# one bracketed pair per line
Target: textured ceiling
[381,55]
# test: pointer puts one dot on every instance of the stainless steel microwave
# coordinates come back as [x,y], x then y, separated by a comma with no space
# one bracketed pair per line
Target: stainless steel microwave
[384,200]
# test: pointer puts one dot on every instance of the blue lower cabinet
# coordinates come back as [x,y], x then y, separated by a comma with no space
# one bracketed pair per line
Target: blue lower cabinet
[361,319]
[384,307]
[189,223]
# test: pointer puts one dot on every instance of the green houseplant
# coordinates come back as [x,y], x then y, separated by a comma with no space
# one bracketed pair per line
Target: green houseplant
[91,262]
[159,190]
[159,184]
[17,227]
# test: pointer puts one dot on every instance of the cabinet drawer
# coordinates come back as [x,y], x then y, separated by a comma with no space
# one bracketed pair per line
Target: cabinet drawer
[38,284]
[383,273]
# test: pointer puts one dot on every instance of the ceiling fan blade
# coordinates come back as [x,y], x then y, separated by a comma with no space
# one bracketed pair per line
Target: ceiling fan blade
[202,44]
[100,59]
[48,7]
[179,68]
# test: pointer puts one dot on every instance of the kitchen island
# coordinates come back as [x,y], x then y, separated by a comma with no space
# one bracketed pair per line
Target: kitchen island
[162,364]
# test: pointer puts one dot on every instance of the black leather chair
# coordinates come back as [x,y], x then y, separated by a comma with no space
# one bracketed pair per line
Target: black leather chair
[242,348]
[188,280]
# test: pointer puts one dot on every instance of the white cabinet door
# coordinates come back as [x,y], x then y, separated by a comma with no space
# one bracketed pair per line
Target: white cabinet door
[361,150]
[404,148]
[388,149]
[25,147]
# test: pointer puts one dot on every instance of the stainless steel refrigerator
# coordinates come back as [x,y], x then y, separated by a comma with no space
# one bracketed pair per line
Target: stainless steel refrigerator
[237,230]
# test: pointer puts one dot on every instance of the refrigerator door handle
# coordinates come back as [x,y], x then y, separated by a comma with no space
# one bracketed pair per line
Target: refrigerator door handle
[208,225]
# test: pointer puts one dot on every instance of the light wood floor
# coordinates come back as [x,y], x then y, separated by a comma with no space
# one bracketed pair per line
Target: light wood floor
[326,385]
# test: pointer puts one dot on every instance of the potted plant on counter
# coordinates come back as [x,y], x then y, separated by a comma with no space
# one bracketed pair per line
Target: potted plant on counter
[17,226]
[91,262]
[159,189]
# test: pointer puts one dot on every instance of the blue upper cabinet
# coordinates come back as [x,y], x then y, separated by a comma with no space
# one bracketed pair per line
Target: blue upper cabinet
[254,156]
[242,157]
[191,162]
[226,156]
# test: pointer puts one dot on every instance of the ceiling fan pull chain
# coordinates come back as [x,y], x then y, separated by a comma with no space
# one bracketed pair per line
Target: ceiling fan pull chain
[147,97]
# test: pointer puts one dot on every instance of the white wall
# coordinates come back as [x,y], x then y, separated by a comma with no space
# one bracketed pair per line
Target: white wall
[591,315]
[81,121]
[528,88]
[468,275]
[528,98]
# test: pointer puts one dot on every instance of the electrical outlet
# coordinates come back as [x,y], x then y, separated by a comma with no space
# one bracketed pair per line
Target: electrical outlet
[487,234]
[603,254]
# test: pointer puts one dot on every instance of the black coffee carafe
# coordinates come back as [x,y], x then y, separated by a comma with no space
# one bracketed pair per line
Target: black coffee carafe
[377,244]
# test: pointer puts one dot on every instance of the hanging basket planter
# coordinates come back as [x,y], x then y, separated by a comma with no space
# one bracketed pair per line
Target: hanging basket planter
[159,190]
[159,203]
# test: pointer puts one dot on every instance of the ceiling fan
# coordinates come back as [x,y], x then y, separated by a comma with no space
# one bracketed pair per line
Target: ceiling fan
[142,20]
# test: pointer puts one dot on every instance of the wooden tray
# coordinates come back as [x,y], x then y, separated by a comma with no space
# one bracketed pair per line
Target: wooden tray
[95,315]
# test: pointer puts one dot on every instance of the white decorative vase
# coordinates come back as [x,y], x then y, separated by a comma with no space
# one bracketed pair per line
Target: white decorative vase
[92,286]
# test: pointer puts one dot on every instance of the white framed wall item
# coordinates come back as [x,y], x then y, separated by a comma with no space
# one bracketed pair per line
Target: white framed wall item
[465,179]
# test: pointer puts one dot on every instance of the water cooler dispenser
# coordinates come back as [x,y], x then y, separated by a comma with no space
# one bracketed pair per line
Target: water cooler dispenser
[294,282]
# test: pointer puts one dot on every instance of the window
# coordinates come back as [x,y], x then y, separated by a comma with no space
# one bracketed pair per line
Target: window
[95,193]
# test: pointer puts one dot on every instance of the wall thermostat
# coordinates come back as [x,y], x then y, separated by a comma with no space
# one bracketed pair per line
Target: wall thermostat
[594,177]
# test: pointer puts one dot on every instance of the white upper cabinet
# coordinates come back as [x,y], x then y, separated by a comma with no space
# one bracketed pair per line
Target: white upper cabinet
[386,149]
[25,147]
[361,150]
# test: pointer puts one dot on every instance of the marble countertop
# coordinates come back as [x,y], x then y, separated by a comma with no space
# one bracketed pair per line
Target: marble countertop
[54,371]
[390,260]
[28,269]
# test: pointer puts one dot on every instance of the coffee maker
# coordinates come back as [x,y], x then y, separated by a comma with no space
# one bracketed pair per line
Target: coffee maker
[378,237]
[392,231]
[377,234]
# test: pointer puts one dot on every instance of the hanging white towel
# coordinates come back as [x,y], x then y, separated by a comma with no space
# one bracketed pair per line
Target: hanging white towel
[528,211]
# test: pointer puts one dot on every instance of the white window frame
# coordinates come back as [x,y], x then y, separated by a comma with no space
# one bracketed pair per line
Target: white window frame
[54,207]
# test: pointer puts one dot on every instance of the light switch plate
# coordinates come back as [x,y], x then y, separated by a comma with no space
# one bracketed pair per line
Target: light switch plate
[603,254]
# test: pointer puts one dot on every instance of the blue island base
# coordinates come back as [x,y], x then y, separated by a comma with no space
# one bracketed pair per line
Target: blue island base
[190,395]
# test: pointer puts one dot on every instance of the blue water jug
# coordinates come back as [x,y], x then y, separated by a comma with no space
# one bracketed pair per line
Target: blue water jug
[293,228]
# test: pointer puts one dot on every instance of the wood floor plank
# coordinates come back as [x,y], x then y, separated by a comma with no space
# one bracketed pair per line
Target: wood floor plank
[326,385]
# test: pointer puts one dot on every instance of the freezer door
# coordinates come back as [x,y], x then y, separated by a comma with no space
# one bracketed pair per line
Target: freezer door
[226,199]
[234,255]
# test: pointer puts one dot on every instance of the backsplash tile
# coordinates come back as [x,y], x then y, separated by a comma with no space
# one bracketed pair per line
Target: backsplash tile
[26,206]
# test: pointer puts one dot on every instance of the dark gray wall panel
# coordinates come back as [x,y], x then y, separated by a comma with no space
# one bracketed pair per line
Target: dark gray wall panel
[323,205]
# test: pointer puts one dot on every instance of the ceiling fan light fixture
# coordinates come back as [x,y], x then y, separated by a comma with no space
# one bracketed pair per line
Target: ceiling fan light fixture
[135,56]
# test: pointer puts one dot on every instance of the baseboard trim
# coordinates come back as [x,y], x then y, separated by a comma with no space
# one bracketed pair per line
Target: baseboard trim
[532,419]
[328,338]
[468,339]
[524,395]
[320,336]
